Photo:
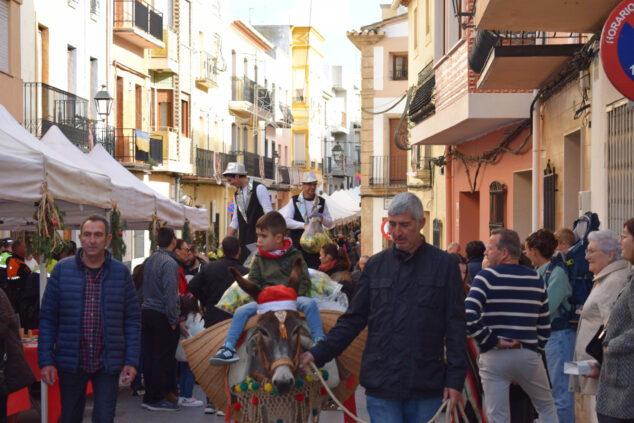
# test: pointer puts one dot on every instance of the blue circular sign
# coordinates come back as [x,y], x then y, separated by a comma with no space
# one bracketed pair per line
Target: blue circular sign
[617,53]
[231,208]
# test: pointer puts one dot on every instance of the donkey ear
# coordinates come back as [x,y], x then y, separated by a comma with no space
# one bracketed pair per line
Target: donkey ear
[296,275]
[247,286]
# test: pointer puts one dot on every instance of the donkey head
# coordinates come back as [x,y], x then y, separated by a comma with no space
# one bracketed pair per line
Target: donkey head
[278,338]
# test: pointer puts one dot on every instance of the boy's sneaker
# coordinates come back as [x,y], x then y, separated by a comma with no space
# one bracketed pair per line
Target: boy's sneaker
[220,413]
[225,355]
[162,405]
[211,409]
[189,402]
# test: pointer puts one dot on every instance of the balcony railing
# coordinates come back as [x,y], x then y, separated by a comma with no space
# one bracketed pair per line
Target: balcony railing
[106,137]
[388,172]
[265,99]
[226,158]
[131,14]
[208,72]
[284,175]
[205,163]
[299,163]
[94,7]
[269,167]
[251,163]
[45,106]
[136,146]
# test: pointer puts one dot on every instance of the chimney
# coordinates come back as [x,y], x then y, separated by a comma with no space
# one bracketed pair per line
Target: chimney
[387,11]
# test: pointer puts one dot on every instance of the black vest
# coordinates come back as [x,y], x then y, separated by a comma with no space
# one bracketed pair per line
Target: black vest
[312,260]
[246,231]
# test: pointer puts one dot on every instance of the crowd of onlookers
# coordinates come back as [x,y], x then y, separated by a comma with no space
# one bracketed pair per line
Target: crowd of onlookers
[498,308]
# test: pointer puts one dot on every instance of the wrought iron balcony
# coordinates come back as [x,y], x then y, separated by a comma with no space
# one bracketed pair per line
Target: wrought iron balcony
[205,163]
[139,23]
[269,167]
[284,175]
[251,163]
[265,99]
[208,73]
[136,146]
[299,163]
[45,106]
[388,172]
[284,116]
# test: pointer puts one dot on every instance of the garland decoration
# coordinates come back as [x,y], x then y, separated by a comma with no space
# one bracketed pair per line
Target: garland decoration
[187,232]
[117,246]
[49,220]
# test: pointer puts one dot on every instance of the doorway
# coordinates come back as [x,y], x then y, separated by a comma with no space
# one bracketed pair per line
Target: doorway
[469,217]
[522,202]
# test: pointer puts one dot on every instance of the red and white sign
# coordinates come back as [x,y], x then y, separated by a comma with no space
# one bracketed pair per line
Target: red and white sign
[385,229]
[617,53]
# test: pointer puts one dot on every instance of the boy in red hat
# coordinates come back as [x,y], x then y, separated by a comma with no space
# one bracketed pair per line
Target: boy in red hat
[271,266]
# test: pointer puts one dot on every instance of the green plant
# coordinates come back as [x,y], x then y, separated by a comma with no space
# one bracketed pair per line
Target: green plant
[117,246]
[49,220]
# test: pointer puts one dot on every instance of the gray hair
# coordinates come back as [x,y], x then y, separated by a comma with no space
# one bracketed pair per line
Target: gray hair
[406,202]
[607,241]
[510,240]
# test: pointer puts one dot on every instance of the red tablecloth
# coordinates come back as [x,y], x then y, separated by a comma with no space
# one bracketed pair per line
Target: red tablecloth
[19,401]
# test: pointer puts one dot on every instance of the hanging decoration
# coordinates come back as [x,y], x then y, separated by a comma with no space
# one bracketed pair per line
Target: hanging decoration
[117,246]
[155,225]
[49,220]
[187,232]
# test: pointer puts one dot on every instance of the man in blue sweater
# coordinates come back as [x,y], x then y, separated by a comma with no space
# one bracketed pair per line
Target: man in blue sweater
[507,314]
[90,326]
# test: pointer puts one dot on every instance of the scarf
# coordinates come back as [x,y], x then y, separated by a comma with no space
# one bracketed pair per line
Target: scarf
[275,254]
[326,267]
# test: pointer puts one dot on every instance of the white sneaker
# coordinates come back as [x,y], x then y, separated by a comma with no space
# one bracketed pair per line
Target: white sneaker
[189,402]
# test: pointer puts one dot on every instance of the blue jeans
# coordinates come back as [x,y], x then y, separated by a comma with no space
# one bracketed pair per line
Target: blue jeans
[559,349]
[186,382]
[72,389]
[390,410]
[304,304]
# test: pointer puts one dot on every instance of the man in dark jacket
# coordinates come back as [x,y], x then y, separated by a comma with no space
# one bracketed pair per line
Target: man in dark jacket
[210,283]
[475,254]
[411,299]
[90,326]
[214,279]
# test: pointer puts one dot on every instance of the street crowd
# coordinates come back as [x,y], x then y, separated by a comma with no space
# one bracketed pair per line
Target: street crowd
[516,330]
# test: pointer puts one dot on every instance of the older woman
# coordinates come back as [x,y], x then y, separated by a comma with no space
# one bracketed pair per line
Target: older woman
[616,390]
[610,275]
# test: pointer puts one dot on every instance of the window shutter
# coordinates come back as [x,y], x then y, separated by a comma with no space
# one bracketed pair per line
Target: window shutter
[4,36]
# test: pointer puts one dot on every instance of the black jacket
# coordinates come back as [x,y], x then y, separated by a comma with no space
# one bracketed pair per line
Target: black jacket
[413,305]
[210,283]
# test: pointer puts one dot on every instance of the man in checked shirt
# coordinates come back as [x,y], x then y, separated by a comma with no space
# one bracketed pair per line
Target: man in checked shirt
[90,326]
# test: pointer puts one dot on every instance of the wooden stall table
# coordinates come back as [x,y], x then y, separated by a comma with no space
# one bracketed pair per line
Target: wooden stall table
[54,405]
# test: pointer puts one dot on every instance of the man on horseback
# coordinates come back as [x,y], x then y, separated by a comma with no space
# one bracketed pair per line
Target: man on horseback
[411,299]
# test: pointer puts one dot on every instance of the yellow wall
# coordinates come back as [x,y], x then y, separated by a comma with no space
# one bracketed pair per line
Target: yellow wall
[421,45]
[11,83]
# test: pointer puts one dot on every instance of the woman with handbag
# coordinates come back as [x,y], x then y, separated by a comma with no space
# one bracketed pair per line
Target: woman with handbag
[616,390]
[15,372]
[610,275]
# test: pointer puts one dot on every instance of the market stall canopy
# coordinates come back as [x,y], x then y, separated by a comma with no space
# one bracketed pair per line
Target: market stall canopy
[27,163]
[166,210]
[135,205]
[198,218]
[344,206]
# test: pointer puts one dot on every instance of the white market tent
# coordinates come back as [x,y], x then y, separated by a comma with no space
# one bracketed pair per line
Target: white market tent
[28,163]
[344,205]
[198,218]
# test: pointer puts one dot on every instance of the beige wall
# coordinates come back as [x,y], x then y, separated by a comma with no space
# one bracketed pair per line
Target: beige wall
[11,82]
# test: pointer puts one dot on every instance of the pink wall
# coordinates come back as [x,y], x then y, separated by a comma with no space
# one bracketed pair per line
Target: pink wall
[461,204]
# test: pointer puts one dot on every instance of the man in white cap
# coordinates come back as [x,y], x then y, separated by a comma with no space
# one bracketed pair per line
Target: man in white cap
[299,210]
[249,207]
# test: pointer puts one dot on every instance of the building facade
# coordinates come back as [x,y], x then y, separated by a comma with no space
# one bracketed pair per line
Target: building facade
[10,57]
[383,47]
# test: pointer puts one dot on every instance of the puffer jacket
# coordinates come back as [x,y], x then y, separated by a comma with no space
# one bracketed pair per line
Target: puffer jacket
[413,306]
[61,314]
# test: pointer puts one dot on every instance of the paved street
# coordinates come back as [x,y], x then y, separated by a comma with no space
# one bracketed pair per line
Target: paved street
[129,411]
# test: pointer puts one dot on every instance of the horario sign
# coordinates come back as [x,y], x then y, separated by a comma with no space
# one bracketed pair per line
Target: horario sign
[617,48]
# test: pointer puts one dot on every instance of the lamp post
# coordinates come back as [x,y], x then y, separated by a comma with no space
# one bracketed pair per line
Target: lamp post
[103,102]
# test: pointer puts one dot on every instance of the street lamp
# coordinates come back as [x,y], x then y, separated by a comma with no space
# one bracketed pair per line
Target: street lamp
[337,153]
[103,102]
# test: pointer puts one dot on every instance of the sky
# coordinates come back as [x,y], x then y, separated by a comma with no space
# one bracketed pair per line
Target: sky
[331,18]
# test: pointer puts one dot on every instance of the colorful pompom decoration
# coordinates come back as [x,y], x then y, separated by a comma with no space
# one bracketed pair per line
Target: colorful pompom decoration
[324,374]
[236,406]
[323,391]
[255,400]
[308,378]
[268,387]
[237,388]
[280,421]
[255,386]
[315,411]
[299,383]
[299,397]
[244,386]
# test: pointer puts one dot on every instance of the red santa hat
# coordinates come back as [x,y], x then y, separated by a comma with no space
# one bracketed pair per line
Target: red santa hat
[275,298]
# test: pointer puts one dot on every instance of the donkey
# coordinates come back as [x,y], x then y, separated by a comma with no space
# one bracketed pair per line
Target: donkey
[278,339]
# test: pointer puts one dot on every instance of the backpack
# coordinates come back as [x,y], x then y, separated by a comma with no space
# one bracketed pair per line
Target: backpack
[567,317]
[578,271]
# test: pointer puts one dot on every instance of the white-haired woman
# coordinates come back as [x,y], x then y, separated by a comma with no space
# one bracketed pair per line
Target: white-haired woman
[610,276]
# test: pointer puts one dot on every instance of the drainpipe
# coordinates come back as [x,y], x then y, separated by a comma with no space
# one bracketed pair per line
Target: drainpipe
[536,168]
[448,200]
